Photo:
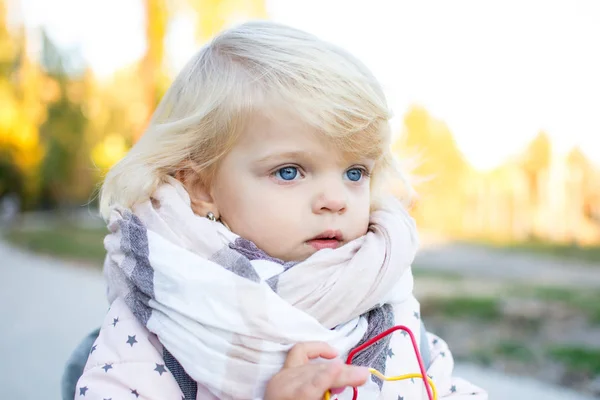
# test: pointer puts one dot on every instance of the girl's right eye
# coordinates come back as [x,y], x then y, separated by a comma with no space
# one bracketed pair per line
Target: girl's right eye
[287,173]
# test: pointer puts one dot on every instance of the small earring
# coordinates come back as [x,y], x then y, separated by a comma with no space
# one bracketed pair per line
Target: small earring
[211,216]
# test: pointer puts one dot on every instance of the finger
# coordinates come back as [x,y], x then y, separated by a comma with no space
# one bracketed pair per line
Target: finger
[336,390]
[312,380]
[296,383]
[339,376]
[301,353]
[350,375]
[324,378]
[305,373]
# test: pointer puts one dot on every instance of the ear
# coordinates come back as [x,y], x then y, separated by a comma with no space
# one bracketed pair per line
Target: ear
[201,199]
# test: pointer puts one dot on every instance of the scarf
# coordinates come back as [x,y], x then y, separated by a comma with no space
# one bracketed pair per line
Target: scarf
[229,313]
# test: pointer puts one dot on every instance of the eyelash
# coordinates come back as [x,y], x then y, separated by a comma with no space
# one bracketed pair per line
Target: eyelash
[364,170]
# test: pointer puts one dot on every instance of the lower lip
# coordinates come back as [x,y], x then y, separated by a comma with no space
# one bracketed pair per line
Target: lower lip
[320,244]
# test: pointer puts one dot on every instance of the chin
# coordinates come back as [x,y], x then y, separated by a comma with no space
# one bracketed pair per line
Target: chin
[288,257]
[299,257]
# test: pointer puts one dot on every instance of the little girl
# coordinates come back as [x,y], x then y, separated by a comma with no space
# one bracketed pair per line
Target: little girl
[252,217]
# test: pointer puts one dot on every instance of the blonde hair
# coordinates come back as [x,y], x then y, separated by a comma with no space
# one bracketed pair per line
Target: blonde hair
[255,67]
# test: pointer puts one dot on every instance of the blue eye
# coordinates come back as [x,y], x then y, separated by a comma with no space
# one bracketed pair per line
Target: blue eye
[354,174]
[287,173]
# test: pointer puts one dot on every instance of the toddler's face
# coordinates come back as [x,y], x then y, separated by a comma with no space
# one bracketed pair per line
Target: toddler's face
[285,188]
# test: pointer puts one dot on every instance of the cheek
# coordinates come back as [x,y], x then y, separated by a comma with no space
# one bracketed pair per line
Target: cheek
[257,212]
[268,228]
[363,211]
[235,204]
[273,212]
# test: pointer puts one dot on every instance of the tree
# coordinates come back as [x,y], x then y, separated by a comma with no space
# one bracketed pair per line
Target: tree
[440,172]
[433,143]
[20,111]
[216,15]
[153,77]
[63,133]
[586,182]
[535,162]
[11,178]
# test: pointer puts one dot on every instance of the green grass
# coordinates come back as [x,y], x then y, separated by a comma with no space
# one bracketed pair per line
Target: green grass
[485,357]
[579,359]
[504,349]
[479,308]
[573,358]
[583,300]
[514,350]
[65,241]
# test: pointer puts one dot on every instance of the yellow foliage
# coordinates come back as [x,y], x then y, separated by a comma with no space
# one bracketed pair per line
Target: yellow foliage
[29,151]
[538,153]
[216,15]
[51,91]
[106,153]
[8,113]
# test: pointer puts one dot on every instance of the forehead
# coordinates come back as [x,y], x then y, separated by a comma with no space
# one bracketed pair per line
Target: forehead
[264,135]
[261,130]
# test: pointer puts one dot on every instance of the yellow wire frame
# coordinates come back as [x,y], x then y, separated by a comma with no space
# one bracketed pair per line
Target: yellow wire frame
[395,378]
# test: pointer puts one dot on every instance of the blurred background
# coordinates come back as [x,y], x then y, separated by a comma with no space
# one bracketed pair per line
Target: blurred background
[497,101]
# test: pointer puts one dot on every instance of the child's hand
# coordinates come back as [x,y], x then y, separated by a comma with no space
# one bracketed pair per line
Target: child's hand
[301,380]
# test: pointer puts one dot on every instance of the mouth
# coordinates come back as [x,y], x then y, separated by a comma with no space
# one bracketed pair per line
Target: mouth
[330,239]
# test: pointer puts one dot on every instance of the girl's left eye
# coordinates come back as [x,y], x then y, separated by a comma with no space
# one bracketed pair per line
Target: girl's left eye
[355,174]
[287,173]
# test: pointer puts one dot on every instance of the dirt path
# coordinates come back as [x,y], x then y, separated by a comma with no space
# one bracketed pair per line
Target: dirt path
[46,308]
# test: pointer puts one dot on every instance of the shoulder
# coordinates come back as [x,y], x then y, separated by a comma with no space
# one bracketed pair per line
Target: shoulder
[126,359]
[123,338]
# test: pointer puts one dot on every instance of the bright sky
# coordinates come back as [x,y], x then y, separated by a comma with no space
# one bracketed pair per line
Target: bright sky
[495,71]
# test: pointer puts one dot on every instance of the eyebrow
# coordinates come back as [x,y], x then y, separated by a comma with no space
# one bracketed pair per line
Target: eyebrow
[283,155]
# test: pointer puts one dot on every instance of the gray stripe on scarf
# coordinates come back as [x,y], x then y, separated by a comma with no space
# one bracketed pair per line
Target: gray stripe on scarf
[249,250]
[235,262]
[134,245]
[375,356]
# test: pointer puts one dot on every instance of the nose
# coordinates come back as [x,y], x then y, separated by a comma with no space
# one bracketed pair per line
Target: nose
[331,199]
